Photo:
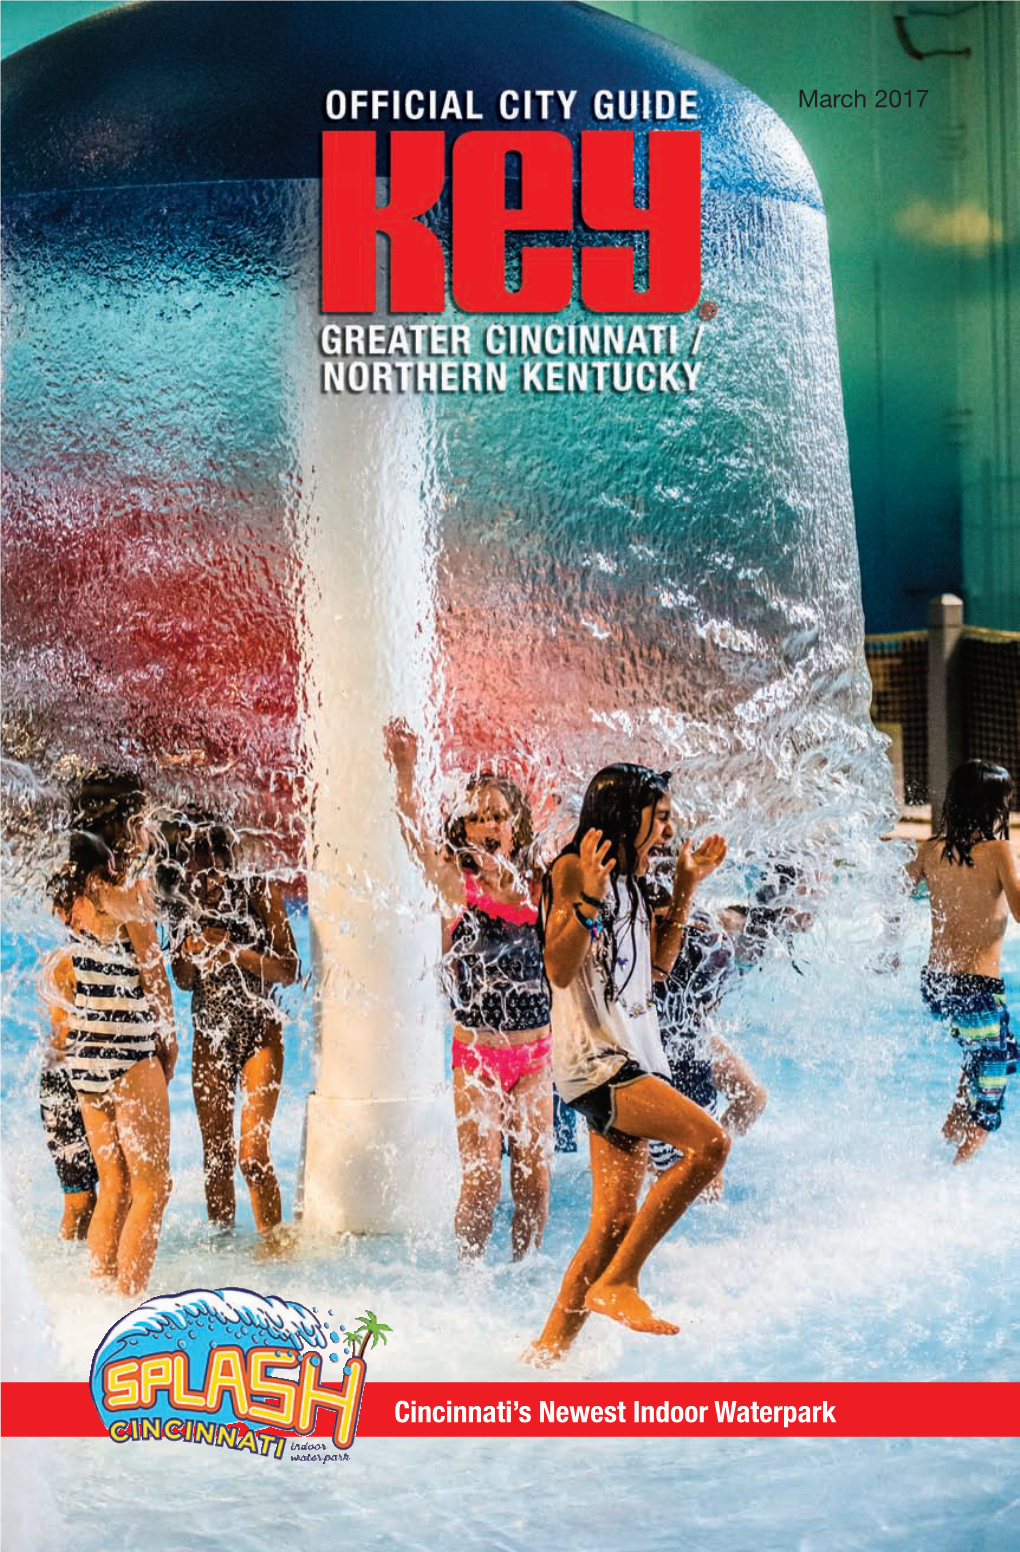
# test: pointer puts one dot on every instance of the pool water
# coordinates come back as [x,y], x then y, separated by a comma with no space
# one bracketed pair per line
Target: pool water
[844,1248]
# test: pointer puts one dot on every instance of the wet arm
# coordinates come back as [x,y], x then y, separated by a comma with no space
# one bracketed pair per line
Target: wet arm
[915,868]
[566,941]
[280,966]
[156,984]
[57,991]
[668,929]
[1009,877]
[445,878]
[183,966]
[668,933]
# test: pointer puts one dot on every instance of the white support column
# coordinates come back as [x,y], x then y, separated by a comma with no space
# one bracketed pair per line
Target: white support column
[379,1125]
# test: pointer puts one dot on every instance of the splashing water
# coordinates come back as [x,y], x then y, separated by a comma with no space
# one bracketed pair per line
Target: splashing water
[844,1248]
[667,579]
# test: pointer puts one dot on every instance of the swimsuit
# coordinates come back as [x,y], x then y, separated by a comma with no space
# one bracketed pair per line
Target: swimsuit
[602,1043]
[65,1132]
[231,1011]
[495,980]
[975,1008]
[493,974]
[112,1025]
[506,1063]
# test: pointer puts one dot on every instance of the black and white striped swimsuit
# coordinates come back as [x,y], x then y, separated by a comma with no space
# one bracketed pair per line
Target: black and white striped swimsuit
[112,1025]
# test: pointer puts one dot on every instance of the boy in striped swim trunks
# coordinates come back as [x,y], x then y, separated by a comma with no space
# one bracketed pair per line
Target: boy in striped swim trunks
[974,1006]
[974,887]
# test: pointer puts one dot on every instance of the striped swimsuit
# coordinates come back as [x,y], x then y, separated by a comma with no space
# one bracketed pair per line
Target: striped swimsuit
[974,1006]
[112,1025]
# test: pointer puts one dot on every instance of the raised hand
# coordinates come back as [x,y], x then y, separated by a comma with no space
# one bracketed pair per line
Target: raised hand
[596,865]
[401,745]
[694,865]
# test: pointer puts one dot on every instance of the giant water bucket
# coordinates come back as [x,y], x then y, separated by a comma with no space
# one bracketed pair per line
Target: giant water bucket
[232,579]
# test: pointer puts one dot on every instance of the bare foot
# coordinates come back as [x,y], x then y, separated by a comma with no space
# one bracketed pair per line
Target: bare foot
[954,1128]
[973,1138]
[557,1337]
[540,1356]
[277,1243]
[622,1302]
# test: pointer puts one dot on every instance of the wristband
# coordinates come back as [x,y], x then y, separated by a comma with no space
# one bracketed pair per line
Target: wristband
[591,924]
[590,900]
[670,921]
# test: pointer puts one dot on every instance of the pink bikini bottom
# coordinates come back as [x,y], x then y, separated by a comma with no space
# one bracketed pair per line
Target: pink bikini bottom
[505,1063]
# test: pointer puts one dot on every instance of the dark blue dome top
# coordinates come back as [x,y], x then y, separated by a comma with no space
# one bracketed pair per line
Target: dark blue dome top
[173,92]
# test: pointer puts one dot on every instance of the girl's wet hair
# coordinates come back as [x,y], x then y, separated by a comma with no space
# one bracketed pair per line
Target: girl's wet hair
[197,832]
[614,803]
[102,804]
[976,808]
[523,842]
[194,840]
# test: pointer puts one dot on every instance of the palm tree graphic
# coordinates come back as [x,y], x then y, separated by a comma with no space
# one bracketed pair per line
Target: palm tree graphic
[368,1329]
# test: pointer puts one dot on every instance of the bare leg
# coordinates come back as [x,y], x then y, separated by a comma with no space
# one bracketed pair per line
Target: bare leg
[974,1137]
[959,1127]
[114,1195]
[213,1086]
[143,1126]
[954,1128]
[260,1088]
[652,1108]
[531,1119]
[617,1174]
[746,1097]
[478,1107]
[78,1209]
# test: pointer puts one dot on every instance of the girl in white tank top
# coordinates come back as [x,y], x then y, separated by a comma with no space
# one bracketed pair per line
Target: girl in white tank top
[601,950]
[606,1016]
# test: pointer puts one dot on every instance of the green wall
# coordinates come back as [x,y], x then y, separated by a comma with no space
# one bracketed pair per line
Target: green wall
[23,21]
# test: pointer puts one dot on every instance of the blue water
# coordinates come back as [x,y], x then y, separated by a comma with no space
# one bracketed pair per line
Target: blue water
[844,1248]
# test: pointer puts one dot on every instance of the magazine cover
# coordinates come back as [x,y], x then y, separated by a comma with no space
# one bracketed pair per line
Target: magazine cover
[511,618]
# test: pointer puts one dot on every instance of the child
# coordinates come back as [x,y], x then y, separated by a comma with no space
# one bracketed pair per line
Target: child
[973,886]
[486,877]
[701,1063]
[601,951]
[234,947]
[59,1107]
[116,1022]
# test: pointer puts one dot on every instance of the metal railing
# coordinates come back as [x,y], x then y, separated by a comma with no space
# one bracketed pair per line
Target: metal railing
[943,695]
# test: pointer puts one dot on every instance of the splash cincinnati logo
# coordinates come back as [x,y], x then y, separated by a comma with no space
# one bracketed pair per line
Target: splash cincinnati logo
[233,1369]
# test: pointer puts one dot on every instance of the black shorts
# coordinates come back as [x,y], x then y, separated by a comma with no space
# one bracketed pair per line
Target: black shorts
[65,1133]
[598,1105]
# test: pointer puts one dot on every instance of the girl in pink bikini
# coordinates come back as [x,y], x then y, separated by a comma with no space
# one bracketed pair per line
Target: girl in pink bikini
[488,883]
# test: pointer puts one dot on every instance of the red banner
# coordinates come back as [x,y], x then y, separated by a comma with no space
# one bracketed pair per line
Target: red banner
[606,1409]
